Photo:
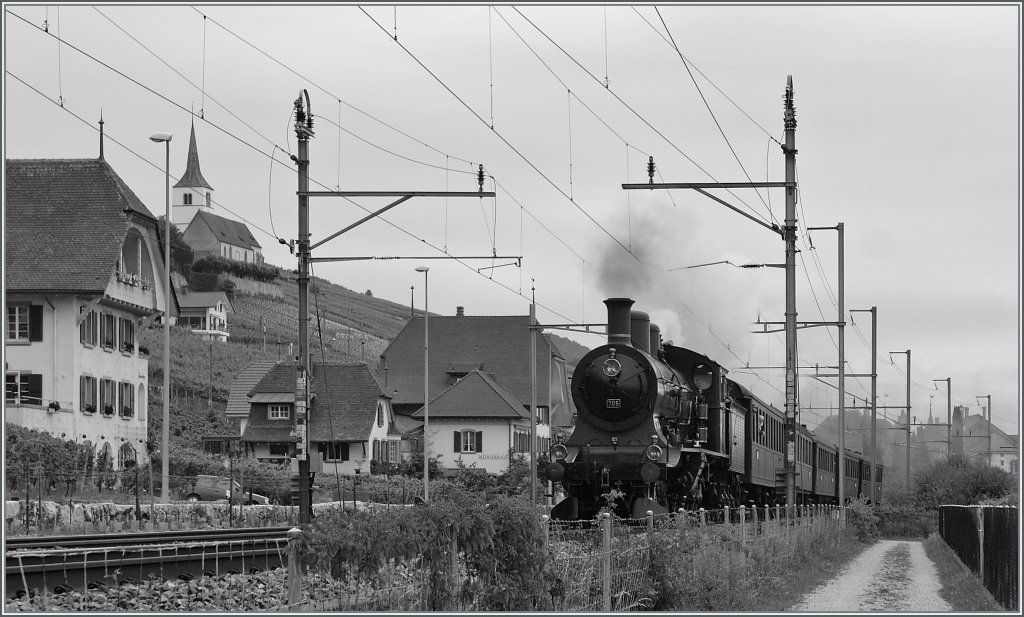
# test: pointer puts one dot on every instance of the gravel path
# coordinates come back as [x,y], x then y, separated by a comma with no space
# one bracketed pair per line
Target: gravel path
[891,576]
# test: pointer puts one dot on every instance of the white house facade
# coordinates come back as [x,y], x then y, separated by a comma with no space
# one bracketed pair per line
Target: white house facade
[83,257]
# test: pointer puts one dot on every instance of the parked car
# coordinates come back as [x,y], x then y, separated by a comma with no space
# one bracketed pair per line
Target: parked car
[215,488]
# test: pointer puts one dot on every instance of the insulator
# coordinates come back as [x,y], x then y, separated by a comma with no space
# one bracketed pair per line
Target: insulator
[480,178]
[650,168]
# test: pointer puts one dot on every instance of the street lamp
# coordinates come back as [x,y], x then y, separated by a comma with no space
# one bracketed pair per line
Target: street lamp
[426,384]
[165,461]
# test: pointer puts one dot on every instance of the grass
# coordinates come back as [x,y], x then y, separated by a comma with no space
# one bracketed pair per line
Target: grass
[961,588]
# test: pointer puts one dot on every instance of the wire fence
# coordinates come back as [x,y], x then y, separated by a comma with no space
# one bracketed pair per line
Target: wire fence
[985,538]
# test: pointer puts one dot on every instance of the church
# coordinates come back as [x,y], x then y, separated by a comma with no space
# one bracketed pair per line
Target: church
[208,234]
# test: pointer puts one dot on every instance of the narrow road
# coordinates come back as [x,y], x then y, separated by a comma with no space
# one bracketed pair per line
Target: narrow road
[891,576]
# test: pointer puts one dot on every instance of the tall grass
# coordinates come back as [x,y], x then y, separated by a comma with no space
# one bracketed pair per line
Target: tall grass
[961,588]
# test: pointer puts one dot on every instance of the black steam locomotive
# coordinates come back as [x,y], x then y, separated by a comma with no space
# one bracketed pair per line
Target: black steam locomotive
[661,427]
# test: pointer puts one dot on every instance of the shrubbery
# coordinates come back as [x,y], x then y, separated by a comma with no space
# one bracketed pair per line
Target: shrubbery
[246,270]
[912,511]
[500,542]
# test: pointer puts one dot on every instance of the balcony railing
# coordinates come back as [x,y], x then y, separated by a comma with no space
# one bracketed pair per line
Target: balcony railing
[134,280]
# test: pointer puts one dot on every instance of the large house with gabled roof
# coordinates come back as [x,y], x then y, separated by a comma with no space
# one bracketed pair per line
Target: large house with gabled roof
[350,421]
[491,354]
[82,278]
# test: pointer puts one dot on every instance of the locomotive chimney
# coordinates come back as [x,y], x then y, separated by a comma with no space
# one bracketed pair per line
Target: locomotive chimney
[640,330]
[618,320]
[655,339]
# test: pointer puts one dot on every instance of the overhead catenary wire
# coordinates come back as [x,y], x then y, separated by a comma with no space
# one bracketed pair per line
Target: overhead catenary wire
[638,115]
[707,105]
[504,140]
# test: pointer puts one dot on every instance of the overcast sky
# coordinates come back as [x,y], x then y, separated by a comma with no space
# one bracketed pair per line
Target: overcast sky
[908,133]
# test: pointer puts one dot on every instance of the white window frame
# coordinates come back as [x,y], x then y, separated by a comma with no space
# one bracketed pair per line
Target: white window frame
[468,443]
[88,332]
[279,412]
[18,323]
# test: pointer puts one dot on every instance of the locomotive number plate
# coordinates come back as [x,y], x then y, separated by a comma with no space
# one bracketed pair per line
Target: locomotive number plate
[613,403]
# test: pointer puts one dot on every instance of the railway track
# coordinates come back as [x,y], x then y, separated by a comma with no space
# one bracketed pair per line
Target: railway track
[44,563]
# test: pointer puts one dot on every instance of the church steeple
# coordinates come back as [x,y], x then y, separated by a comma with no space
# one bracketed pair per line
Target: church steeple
[193,177]
[192,193]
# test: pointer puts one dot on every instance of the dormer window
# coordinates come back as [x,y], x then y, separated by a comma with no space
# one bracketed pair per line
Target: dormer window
[278,412]
[380,414]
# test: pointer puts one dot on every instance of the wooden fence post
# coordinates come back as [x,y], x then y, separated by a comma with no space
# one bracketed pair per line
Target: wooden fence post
[545,521]
[294,580]
[606,562]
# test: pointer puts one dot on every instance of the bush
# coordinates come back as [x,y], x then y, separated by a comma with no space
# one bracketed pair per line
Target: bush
[246,270]
[862,516]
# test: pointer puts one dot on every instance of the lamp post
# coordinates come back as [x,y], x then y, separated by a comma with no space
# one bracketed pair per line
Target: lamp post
[165,462]
[426,384]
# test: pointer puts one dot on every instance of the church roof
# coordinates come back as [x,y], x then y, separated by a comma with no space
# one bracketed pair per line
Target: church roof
[193,177]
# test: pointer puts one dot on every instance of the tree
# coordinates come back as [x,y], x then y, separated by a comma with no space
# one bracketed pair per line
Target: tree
[181,252]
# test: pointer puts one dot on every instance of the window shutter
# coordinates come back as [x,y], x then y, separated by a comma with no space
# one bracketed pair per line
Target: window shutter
[81,392]
[34,389]
[35,322]
[479,441]
[458,441]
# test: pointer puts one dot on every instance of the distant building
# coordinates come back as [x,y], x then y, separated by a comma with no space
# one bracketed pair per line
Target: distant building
[192,193]
[204,231]
[206,312]
[974,439]
[82,278]
[210,235]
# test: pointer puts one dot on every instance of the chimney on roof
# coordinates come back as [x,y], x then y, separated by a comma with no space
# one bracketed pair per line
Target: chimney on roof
[460,311]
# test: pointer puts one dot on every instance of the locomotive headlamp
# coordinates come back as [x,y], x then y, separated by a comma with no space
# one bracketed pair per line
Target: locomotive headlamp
[559,452]
[702,377]
[653,452]
[612,367]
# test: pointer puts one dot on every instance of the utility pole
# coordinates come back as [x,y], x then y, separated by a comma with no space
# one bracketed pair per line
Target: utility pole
[533,397]
[304,131]
[788,234]
[949,413]
[988,415]
[874,402]
[841,324]
[792,385]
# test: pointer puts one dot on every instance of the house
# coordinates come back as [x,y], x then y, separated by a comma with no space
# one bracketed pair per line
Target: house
[82,280]
[210,235]
[236,412]
[478,424]
[206,312]
[495,350]
[971,437]
[350,418]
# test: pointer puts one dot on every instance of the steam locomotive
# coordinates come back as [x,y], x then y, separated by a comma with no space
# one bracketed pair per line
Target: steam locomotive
[660,427]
